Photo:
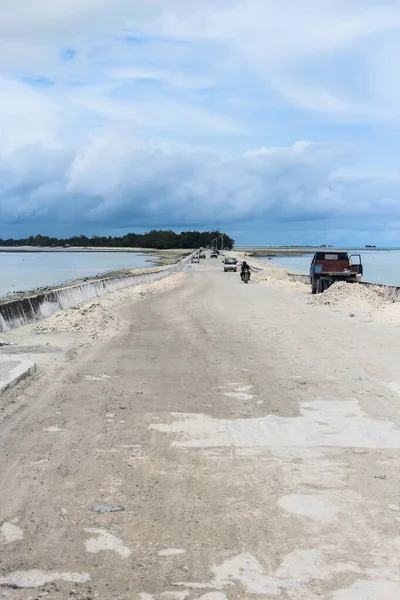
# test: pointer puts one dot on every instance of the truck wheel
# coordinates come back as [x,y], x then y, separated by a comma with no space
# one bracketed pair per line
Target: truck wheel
[320,286]
[313,285]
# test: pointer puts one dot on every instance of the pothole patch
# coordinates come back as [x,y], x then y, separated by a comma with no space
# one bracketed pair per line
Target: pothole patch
[10,532]
[35,578]
[106,541]
[171,551]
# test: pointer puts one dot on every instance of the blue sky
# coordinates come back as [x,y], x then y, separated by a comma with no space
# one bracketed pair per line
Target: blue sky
[277,121]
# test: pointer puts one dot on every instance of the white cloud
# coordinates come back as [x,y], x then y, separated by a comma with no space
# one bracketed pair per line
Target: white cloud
[26,117]
[211,79]
[273,40]
[191,82]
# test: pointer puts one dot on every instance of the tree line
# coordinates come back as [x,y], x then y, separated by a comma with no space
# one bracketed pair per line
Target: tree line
[155,239]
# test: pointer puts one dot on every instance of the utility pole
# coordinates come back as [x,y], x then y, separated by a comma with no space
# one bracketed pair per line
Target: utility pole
[214,243]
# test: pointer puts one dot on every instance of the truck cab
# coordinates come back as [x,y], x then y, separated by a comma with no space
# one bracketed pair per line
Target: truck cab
[328,267]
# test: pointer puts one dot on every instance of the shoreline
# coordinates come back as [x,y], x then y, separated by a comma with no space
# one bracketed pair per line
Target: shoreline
[51,288]
[161,259]
[277,251]
[33,308]
[72,249]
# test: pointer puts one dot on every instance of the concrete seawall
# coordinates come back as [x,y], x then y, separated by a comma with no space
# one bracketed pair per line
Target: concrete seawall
[34,308]
[299,277]
[391,292]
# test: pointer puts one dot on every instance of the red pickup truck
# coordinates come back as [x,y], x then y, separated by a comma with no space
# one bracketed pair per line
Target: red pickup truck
[328,267]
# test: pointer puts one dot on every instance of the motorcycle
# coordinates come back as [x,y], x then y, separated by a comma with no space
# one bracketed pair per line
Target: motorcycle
[245,276]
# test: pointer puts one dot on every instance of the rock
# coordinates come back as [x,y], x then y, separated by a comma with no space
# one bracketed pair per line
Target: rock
[64,512]
[104,508]
[352,315]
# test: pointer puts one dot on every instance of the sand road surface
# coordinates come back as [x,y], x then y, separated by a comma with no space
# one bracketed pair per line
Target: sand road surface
[227,442]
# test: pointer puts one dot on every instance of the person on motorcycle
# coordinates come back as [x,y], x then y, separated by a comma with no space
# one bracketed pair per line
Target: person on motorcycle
[245,267]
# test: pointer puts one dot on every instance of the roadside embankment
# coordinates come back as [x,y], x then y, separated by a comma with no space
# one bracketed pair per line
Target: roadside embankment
[96,319]
[390,293]
[369,302]
[51,344]
[34,308]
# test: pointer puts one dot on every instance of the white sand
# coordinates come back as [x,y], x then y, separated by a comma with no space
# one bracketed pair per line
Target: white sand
[92,318]
[96,318]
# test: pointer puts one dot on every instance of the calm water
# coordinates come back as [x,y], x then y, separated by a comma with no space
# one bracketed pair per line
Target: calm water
[22,271]
[379,267]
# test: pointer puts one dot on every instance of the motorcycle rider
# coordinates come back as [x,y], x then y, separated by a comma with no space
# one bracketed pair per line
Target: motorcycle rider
[245,267]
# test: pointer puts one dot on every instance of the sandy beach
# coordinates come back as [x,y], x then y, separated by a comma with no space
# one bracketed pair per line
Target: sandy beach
[198,438]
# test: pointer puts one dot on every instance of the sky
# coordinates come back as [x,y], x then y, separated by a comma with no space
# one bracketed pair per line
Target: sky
[277,122]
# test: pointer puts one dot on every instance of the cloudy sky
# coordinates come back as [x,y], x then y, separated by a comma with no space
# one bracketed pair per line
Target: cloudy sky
[277,120]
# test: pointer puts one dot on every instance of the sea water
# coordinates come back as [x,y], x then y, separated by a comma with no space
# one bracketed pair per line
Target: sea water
[31,269]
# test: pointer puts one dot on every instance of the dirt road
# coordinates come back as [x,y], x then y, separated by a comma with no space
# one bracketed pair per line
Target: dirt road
[252,441]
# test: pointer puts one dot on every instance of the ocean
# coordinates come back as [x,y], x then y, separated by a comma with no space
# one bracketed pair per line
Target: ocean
[24,271]
[381,266]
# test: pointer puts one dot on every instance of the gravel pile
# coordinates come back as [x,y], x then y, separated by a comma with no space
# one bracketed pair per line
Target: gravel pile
[351,295]
[92,318]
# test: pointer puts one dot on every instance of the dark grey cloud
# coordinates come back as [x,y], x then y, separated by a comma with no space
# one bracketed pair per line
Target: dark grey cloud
[119,182]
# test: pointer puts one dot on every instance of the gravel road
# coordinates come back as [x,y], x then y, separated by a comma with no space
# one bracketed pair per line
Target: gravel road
[229,441]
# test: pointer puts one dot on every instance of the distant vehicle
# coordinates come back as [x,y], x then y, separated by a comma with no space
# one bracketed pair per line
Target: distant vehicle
[195,259]
[202,255]
[328,267]
[213,255]
[230,264]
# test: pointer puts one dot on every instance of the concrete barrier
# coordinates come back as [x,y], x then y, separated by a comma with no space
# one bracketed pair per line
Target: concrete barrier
[391,292]
[34,308]
[13,370]
[299,277]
